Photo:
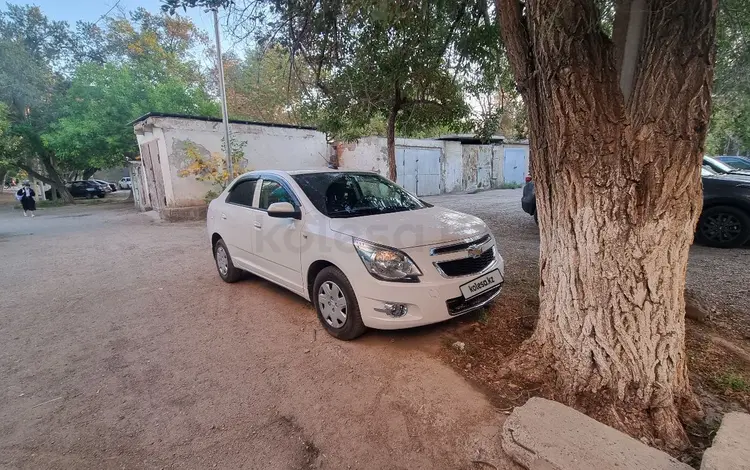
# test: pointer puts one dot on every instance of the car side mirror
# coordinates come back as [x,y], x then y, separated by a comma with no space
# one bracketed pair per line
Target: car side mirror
[283,210]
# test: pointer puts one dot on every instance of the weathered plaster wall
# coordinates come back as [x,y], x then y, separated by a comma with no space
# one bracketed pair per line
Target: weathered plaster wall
[452,166]
[264,147]
[365,154]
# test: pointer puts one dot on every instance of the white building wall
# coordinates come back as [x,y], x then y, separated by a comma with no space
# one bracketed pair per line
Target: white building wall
[365,154]
[264,147]
[452,166]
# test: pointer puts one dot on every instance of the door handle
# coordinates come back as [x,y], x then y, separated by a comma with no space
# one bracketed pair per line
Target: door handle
[223,216]
[258,225]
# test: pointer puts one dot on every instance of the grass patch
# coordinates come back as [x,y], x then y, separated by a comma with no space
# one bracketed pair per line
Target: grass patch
[733,381]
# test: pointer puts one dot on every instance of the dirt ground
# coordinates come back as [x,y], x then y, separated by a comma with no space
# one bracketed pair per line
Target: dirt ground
[122,348]
[718,346]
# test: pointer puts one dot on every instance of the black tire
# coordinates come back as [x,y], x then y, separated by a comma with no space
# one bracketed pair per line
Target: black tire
[89,196]
[352,327]
[723,227]
[232,274]
[101,196]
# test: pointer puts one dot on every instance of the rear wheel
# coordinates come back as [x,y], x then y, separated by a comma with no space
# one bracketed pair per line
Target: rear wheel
[224,265]
[723,227]
[336,305]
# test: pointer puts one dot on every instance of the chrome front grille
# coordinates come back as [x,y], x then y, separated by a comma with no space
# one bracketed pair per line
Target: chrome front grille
[460,246]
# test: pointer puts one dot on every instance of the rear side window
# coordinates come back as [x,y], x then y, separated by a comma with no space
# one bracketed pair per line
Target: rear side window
[242,193]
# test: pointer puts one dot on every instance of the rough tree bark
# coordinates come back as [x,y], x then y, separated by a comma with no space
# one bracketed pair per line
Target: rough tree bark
[617,128]
[391,133]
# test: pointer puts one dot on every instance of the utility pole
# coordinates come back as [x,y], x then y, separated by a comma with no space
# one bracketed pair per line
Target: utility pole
[223,92]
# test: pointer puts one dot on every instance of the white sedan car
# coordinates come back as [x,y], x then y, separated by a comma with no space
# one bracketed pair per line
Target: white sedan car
[364,251]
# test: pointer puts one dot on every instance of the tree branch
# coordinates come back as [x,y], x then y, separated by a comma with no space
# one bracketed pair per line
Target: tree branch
[515,32]
[35,174]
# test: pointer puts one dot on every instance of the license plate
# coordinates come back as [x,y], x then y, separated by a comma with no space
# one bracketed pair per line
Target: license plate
[481,284]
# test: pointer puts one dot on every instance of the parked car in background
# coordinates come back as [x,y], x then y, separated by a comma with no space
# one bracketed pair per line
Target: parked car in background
[528,198]
[88,189]
[722,168]
[725,219]
[125,183]
[737,162]
[363,250]
[109,187]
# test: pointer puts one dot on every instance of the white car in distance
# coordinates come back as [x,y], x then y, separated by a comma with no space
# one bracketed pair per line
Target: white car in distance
[363,250]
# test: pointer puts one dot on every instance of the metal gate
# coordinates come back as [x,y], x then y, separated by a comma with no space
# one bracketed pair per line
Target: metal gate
[484,167]
[418,170]
[514,166]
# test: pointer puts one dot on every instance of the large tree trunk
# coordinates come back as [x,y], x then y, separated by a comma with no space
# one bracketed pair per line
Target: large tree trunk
[391,142]
[89,172]
[53,180]
[617,128]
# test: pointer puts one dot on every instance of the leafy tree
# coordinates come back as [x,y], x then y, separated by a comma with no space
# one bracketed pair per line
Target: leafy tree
[730,121]
[370,60]
[263,86]
[92,130]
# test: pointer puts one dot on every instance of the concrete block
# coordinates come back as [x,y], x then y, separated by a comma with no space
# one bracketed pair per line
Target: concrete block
[731,447]
[544,434]
[179,214]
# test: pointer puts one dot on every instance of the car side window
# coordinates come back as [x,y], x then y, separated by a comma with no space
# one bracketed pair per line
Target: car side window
[242,193]
[272,191]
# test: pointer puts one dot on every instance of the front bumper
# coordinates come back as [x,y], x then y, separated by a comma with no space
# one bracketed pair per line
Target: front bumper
[434,299]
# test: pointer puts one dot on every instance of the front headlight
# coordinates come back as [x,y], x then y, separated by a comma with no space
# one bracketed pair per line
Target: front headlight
[387,264]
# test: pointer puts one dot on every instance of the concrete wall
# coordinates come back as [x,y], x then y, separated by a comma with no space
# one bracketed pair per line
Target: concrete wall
[365,154]
[452,166]
[264,147]
[459,162]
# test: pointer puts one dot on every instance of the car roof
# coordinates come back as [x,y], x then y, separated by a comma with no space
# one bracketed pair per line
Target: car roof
[301,172]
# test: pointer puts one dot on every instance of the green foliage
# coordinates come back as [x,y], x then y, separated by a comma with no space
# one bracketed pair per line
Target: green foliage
[733,381]
[263,86]
[70,93]
[92,130]
[730,121]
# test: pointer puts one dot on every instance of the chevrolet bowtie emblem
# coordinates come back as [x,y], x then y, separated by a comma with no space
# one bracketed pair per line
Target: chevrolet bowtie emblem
[475,251]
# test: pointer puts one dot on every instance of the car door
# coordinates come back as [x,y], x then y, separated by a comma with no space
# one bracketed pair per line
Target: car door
[235,224]
[277,240]
[77,189]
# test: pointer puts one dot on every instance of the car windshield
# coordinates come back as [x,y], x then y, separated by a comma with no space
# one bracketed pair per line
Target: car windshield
[707,171]
[341,195]
[739,163]
[717,166]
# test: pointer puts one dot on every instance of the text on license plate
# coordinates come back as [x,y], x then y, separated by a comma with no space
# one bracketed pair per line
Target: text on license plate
[481,284]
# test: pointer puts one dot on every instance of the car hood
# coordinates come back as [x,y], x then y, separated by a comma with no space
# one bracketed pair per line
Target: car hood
[731,177]
[428,226]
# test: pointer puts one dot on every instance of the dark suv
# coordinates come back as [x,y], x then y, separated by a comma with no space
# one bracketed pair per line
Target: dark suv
[87,189]
[725,220]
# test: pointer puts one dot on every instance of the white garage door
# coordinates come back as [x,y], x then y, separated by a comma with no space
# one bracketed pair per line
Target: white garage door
[418,170]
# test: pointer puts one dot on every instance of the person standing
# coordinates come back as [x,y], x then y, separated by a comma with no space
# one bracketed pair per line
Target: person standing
[26,196]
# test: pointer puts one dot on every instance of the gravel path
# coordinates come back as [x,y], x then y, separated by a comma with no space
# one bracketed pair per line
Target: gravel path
[121,348]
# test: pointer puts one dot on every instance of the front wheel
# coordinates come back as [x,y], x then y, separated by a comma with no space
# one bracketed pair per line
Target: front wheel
[101,196]
[224,265]
[723,227]
[336,305]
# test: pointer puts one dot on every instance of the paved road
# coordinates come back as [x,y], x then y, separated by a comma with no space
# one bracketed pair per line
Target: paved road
[121,348]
